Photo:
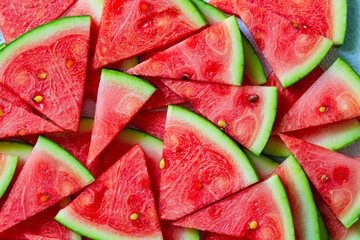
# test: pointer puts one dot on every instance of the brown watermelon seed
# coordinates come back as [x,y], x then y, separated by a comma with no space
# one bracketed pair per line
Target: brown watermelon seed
[323,109]
[185,77]
[144,6]
[253,225]
[42,76]
[295,24]
[253,98]
[222,123]
[1,113]
[134,216]
[22,132]
[162,163]
[70,63]
[324,178]
[44,197]
[38,99]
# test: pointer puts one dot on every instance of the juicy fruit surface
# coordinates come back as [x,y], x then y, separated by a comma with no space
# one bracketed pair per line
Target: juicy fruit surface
[103,209]
[149,25]
[29,124]
[31,68]
[336,92]
[248,122]
[10,96]
[215,168]
[290,62]
[44,180]
[152,123]
[18,17]
[334,175]
[213,55]
[272,215]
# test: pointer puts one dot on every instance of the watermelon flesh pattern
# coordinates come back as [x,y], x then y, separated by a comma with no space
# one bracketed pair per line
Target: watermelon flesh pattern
[125,184]
[152,122]
[340,188]
[18,17]
[13,98]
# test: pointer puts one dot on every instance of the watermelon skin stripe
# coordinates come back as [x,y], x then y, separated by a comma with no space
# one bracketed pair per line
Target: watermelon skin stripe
[7,170]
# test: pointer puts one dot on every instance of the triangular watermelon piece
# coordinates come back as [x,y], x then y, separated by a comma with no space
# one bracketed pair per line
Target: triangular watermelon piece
[42,224]
[334,175]
[120,97]
[13,98]
[18,17]
[149,25]
[334,97]
[213,55]
[125,187]
[46,69]
[151,122]
[292,50]
[49,175]
[16,121]
[7,169]
[245,113]
[259,212]
[213,164]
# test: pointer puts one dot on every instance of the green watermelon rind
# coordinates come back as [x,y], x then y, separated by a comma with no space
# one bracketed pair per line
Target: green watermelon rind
[2,46]
[211,13]
[188,8]
[306,67]
[303,188]
[282,201]
[46,145]
[22,150]
[262,163]
[86,124]
[340,21]
[270,107]
[128,81]
[324,234]
[275,147]
[129,63]
[7,172]
[133,136]
[41,33]
[216,136]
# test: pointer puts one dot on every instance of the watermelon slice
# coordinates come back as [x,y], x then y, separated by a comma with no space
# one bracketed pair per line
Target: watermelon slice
[214,165]
[332,98]
[179,233]
[13,98]
[263,165]
[48,64]
[149,25]
[18,17]
[246,113]
[38,237]
[334,175]
[152,122]
[216,236]
[120,97]
[7,169]
[92,212]
[253,70]
[213,55]
[264,214]
[49,175]
[163,96]
[42,224]
[291,50]
[332,136]
[16,121]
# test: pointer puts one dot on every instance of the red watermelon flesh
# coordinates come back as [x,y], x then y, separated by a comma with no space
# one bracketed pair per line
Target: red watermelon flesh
[332,98]
[38,237]
[334,175]
[141,26]
[49,175]
[18,17]
[163,96]
[120,97]
[104,209]
[248,121]
[213,55]
[51,66]
[10,96]
[288,96]
[264,203]
[291,52]
[214,165]
[216,236]
[16,121]
[151,122]
[42,224]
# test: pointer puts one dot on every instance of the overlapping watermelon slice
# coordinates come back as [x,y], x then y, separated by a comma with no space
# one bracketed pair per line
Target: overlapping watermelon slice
[151,122]
[13,98]
[291,49]
[334,175]
[179,233]
[246,113]
[49,175]
[257,218]
[18,17]
[141,26]
[214,165]
[46,68]
[30,123]
[213,55]
[120,97]
[332,98]
[125,188]
[7,170]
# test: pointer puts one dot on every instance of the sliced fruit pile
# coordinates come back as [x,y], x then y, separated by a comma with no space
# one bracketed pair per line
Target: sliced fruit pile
[137,119]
